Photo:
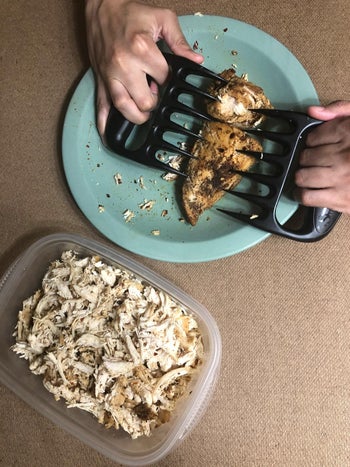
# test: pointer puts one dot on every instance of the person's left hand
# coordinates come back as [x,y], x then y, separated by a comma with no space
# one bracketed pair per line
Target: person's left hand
[323,179]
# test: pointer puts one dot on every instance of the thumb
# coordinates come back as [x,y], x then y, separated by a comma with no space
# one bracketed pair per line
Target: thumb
[177,42]
[334,110]
[181,47]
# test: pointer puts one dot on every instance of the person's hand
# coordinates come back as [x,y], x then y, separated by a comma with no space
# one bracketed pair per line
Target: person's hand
[323,179]
[122,36]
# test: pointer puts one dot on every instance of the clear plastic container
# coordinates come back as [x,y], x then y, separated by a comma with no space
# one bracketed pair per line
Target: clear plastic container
[23,278]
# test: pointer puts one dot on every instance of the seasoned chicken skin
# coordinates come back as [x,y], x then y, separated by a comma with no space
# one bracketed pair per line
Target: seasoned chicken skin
[211,170]
[235,99]
[217,154]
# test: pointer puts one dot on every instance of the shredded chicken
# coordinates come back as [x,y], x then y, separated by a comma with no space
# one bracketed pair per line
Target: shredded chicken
[109,343]
[236,99]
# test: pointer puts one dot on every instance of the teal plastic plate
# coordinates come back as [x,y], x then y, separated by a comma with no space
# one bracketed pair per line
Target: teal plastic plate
[161,233]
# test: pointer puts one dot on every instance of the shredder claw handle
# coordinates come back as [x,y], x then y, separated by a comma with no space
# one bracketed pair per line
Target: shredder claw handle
[118,130]
[318,223]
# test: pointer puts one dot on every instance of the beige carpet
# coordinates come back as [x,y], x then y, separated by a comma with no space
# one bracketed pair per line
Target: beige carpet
[283,397]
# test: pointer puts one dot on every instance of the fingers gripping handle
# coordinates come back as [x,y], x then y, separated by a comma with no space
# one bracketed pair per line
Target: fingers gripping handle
[118,129]
[318,221]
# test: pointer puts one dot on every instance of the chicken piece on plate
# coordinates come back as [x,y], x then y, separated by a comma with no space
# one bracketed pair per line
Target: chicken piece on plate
[211,170]
[217,154]
[235,99]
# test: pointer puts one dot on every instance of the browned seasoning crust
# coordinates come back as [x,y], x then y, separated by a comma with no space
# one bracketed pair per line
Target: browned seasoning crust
[211,170]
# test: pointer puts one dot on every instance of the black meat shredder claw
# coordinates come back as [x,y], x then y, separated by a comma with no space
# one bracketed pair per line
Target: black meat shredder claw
[118,128]
[317,222]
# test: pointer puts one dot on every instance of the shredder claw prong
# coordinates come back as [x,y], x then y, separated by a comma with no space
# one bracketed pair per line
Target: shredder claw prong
[269,157]
[275,136]
[265,179]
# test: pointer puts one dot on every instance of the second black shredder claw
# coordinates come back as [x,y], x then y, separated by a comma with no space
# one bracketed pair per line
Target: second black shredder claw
[317,221]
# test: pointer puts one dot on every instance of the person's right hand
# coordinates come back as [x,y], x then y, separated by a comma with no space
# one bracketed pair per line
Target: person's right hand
[122,37]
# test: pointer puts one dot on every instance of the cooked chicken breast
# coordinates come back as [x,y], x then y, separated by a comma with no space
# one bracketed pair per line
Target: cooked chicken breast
[217,154]
[108,342]
[211,170]
[235,99]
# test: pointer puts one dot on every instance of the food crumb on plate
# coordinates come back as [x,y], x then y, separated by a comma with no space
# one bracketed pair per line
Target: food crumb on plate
[147,205]
[128,215]
[118,179]
[141,182]
[169,176]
